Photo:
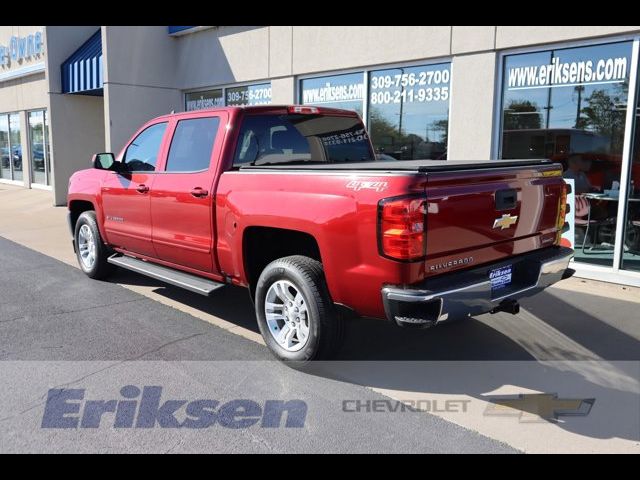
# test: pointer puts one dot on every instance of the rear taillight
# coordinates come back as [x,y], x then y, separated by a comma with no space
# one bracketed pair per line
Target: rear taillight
[562,213]
[401,228]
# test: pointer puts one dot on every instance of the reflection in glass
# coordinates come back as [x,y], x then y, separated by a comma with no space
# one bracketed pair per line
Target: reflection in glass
[409,111]
[259,94]
[300,139]
[46,147]
[10,147]
[192,144]
[15,145]
[142,152]
[570,105]
[631,247]
[37,147]
[337,91]
[5,150]
[207,99]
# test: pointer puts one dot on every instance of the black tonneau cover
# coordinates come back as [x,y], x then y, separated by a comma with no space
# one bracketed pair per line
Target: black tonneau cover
[406,165]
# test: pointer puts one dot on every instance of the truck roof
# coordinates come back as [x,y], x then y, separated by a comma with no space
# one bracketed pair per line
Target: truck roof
[276,109]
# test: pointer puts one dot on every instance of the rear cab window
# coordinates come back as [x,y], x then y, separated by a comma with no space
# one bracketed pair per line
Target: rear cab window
[296,139]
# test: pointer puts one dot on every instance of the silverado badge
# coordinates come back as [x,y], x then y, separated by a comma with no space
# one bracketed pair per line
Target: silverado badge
[505,221]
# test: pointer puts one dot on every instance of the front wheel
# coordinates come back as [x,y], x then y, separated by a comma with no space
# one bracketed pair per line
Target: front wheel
[91,251]
[296,316]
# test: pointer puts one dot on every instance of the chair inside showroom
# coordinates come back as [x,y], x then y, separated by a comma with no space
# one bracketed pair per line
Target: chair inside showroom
[584,221]
[632,240]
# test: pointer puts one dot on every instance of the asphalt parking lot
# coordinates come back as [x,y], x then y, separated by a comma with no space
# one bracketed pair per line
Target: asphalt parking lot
[50,314]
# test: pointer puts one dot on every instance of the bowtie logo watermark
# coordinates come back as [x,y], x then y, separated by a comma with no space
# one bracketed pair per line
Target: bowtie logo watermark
[538,407]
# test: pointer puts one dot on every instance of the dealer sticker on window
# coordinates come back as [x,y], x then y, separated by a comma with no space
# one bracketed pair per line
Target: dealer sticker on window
[500,277]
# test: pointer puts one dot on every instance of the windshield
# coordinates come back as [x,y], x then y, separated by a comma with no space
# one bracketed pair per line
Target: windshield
[300,139]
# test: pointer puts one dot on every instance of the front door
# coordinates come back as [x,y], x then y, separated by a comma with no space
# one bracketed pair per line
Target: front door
[126,194]
[182,197]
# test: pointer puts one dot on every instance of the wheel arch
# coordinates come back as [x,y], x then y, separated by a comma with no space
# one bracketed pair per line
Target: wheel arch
[78,207]
[78,204]
[262,245]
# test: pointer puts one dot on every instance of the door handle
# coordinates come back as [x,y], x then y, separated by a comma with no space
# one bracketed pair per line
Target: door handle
[199,192]
[142,188]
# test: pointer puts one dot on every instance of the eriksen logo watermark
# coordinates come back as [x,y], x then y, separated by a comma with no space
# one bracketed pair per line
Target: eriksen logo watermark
[144,408]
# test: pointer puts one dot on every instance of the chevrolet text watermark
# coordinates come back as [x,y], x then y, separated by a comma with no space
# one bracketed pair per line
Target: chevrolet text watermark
[144,408]
[400,406]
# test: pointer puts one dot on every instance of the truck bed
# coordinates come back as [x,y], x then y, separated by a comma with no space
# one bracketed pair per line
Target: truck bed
[417,166]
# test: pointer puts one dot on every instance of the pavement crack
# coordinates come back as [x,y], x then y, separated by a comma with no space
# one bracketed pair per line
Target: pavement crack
[94,307]
[173,447]
[12,319]
[167,344]
[4,355]
[85,309]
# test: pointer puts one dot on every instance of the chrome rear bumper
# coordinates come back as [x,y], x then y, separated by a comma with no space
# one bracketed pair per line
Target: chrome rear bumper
[469,292]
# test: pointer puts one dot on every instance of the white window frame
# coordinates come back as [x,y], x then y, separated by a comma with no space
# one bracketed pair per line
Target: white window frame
[48,173]
[12,180]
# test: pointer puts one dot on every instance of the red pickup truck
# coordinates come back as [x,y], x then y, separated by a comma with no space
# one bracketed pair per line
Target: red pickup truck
[292,202]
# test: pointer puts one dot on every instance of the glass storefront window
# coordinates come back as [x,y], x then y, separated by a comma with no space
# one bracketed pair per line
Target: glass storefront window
[409,111]
[570,105]
[344,91]
[10,147]
[39,147]
[259,94]
[5,150]
[205,99]
[15,145]
[631,248]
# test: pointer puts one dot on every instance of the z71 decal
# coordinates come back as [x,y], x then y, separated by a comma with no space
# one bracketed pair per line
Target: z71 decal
[357,185]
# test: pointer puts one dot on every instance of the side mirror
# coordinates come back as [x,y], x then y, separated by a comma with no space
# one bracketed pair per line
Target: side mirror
[104,161]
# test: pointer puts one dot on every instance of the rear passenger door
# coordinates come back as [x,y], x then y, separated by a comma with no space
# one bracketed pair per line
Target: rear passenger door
[182,198]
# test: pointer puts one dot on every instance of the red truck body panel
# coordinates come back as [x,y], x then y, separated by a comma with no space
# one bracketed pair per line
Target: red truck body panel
[461,213]
[339,209]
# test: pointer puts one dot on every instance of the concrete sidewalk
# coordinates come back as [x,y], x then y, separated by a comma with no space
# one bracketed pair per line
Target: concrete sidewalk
[591,328]
[28,217]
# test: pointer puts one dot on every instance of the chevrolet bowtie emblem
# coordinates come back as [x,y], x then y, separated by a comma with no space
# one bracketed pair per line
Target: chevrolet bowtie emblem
[538,407]
[505,221]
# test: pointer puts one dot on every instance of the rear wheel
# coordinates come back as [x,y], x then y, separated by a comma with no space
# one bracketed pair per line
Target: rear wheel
[91,251]
[296,316]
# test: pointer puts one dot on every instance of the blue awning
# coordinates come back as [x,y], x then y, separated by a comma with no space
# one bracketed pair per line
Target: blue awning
[82,71]
[176,29]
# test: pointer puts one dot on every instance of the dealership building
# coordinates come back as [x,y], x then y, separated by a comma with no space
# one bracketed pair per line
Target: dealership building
[425,92]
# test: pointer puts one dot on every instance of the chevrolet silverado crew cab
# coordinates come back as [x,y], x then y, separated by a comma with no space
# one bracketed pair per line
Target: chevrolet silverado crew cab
[292,203]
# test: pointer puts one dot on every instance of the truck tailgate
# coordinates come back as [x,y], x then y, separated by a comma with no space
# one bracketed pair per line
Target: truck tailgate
[488,214]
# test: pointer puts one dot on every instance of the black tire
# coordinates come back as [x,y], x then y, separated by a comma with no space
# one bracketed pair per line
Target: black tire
[326,325]
[100,268]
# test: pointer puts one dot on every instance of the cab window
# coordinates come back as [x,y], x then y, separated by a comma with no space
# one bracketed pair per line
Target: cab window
[142,152]
[192,145]
[302,139]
